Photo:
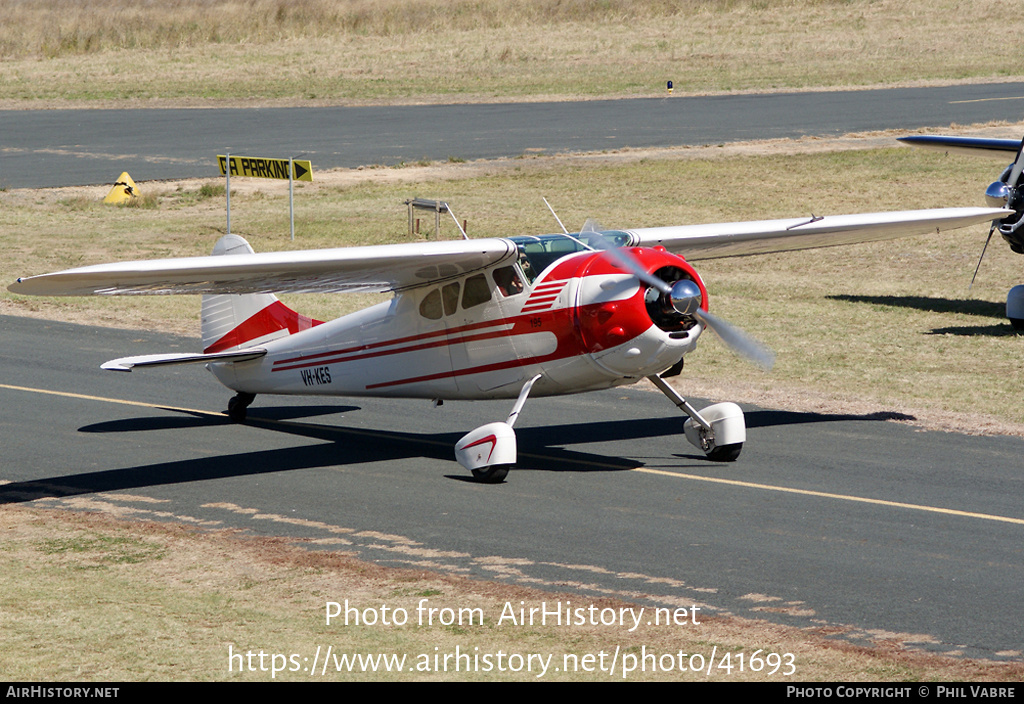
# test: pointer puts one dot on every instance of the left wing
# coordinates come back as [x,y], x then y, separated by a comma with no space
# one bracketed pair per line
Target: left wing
[975,146]
[766,236]
[377,268]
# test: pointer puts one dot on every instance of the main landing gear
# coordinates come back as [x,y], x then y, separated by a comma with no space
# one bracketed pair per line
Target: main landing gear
[490,450]
[719,430]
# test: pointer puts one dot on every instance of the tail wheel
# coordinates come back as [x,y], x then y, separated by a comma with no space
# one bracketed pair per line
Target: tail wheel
[237,406]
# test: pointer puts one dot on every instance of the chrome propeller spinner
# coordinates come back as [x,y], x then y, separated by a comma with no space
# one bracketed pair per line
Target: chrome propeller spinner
[685,298]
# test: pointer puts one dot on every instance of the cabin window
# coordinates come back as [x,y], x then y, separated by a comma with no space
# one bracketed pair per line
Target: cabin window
[430,306]
[450,297]
[538,252]
[477,291]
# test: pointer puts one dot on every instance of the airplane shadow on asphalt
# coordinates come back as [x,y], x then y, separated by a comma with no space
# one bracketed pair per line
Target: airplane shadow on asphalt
[540,448]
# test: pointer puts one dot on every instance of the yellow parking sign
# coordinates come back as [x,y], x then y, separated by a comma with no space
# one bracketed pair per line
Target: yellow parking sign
[262,167]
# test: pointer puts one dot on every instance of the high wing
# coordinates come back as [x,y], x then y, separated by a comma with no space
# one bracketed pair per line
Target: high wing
[400,266]
[766,236]
[377,268]
[974,146]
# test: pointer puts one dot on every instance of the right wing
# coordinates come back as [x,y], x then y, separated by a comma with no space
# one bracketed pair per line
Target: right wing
[766,236]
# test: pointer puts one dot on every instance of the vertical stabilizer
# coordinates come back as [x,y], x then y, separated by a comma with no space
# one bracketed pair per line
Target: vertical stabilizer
[230,322]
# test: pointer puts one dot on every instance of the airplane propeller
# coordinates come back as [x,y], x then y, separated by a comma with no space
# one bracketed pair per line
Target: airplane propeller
[685,298]
[1008,192]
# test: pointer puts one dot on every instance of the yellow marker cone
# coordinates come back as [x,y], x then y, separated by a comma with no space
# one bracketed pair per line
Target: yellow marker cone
[124,190]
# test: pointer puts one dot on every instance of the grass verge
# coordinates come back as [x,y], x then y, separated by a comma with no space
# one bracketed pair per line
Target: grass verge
[87,597]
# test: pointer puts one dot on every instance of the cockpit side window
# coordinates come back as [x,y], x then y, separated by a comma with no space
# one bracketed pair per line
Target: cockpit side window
[527,268]
[508,281]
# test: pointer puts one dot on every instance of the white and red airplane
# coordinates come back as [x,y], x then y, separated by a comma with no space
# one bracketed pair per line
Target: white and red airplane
[479,319]
[1007,192]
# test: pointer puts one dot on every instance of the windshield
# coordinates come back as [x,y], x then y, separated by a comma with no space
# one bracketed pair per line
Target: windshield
[538,252]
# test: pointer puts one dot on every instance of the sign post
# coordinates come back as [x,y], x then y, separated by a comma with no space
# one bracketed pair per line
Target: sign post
[261,167]
[227,190]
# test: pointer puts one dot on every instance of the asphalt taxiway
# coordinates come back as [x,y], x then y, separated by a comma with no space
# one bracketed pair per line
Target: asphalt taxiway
[44,148]
[872,528]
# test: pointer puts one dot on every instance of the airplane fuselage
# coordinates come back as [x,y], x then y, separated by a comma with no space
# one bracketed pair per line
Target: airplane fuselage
[583,324]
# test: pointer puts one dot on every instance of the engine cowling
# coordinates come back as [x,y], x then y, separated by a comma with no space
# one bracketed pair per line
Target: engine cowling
[627,327]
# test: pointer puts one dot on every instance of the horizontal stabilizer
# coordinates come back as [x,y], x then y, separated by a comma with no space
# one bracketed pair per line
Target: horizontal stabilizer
[126,364]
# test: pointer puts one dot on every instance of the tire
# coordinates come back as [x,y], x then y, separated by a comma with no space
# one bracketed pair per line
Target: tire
[492,475]
[237,406]
[725,453]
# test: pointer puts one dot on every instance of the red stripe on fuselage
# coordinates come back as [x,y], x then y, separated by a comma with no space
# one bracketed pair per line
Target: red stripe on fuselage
[318,358]
[348,357]
[568,343]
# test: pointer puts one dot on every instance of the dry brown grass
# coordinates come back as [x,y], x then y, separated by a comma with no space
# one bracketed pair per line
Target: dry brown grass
[92,598]
[841,321]
[317,51]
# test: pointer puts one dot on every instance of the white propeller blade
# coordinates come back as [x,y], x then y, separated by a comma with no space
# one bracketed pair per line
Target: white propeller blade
[735,339]
[1018,165]
[624,259]
[738,341]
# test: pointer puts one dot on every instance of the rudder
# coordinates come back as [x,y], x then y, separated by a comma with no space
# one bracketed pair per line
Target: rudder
[233,321]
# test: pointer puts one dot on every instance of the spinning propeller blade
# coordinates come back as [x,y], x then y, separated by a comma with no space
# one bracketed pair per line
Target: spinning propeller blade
[685,298]
[738,341]
[1018,165]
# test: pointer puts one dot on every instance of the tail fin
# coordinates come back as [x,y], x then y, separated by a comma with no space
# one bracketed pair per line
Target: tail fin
[230,322]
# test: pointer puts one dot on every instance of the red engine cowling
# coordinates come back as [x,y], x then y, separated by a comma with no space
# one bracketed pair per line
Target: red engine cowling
[612,308]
